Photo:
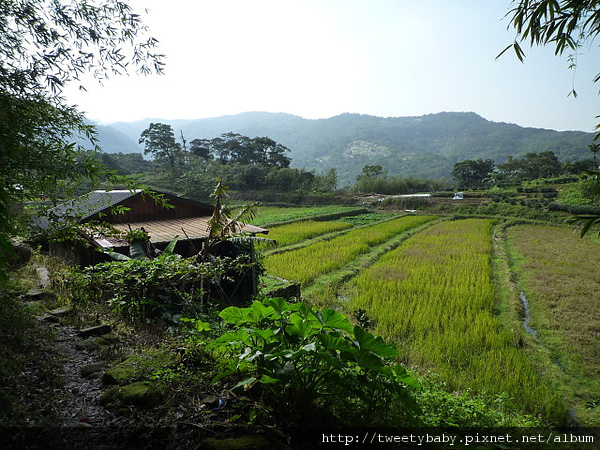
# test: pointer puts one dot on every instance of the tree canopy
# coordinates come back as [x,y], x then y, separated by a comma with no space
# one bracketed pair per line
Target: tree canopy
[567,25]
[472,173]
[235,148]
[159,140]
[44,45]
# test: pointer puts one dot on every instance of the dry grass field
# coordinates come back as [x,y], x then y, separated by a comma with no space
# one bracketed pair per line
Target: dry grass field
[560,275]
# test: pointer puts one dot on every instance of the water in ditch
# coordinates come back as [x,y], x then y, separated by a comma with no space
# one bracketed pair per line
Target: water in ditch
[527,317]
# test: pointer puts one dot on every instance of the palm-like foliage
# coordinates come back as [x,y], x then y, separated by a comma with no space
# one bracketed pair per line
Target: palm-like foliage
[223,224]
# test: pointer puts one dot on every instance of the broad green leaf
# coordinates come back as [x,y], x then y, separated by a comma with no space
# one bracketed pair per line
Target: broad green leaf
[245,384]
[265,335]
[258,312]
[402,376]
[330,318]
[265,379]
[301,328]
[137,249]
[202,326]
[285,353]
[279,304]
[117,256]
[368,342]
[309,347]
[233,315]
[331,342]
[171,247]
[373,362]
[252,355]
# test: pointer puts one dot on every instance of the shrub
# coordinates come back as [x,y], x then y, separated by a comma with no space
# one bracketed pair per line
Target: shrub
[304,361]
[165,287]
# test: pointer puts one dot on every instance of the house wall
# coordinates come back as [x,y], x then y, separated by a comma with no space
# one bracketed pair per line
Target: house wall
[78,254]
[144,208]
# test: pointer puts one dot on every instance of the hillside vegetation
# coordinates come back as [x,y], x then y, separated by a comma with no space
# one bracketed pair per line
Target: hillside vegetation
[425,146]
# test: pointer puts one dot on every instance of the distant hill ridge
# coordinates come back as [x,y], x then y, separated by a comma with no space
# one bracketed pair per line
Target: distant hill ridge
[423,146]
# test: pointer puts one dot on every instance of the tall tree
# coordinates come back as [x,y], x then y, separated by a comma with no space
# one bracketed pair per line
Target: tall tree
[472,173]
[45,45]
[235,148]
[201,148]
[531,166]
[327,182]
[270,152]
[372,171]
[159,141]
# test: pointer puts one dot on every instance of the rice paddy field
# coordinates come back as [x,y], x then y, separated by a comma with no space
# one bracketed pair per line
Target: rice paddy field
[434,297]
[295,232]
[272,215]
[306,263]
[560,277]
[438,296]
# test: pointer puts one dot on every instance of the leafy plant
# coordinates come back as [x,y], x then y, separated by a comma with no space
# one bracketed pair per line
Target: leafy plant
[140,247]
[302,359]
[223,225]
[167,286]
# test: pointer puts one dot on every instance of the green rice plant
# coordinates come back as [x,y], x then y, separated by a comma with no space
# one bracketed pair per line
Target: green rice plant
[269,215]
[434,297]
[307,263]
[299,231]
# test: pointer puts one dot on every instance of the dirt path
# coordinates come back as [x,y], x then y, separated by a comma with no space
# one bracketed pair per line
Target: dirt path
[79,397]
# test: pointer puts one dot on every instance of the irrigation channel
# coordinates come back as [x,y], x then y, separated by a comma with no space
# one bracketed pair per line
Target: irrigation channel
[527,317]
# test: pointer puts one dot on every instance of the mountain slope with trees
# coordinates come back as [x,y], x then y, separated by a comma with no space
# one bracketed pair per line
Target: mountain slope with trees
[426,146]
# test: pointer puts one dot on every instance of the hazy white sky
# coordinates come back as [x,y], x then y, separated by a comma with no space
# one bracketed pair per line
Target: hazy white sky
[320,58]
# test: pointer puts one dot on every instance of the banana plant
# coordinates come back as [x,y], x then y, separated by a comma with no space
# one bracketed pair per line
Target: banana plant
[138,249]
[223,224]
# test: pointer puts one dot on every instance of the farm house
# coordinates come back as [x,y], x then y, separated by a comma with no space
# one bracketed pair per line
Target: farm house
[120,211]
[126,210]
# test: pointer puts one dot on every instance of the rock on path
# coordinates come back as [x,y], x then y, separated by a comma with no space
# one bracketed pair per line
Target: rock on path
[79,397]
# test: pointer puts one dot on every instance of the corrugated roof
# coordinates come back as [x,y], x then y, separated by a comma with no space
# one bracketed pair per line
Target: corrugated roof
[86,205]
[161,231]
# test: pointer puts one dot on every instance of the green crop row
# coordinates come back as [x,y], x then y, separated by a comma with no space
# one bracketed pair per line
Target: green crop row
[307,263]
[434,297]
[273,214]
[294,232]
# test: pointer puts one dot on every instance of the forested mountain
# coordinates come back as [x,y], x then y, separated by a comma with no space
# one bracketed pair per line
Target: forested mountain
[425,146]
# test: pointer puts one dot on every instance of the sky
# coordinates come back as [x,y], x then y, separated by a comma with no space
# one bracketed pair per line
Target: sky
[320,58]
